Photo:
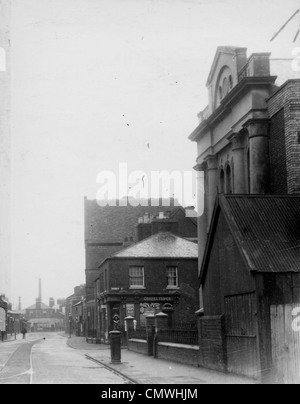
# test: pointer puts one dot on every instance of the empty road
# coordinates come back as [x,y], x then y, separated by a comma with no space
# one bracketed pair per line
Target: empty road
[49,361]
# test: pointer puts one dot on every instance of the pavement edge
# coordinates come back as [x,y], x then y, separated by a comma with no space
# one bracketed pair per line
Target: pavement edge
[111,369]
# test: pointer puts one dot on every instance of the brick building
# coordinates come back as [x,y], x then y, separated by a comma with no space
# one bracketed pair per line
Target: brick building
[3,318]
[249,243]
[74,311]
[110,229]
[284,113]
[41,317]
[157,274]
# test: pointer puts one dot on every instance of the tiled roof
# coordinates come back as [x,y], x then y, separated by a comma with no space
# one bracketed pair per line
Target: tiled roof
[161,245]
[266,229]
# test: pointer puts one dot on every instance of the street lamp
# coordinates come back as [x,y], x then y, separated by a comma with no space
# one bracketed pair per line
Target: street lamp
[70,325]
[89,320]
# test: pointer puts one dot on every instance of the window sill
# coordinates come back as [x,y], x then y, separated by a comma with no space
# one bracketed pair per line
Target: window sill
[173,288]
[137,288]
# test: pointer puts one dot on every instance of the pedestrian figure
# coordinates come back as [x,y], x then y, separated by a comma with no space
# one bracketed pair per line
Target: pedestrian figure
[24,332]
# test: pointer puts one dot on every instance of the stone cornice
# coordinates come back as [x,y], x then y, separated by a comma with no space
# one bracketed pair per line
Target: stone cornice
[229,101]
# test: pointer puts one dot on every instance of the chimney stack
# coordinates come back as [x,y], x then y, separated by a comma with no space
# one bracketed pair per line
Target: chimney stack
[20,304]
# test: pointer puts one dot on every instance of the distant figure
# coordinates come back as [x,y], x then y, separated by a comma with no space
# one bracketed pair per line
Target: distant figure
[24,332]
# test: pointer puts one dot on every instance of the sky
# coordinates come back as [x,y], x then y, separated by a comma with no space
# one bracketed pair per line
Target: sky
[96,83]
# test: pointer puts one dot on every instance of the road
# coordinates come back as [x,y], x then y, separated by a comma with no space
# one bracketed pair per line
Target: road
[49,361]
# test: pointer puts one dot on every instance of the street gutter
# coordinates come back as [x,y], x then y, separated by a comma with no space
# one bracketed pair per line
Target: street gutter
[113,370]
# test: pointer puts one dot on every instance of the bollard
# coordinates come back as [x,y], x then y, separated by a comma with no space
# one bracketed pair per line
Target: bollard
[115,347]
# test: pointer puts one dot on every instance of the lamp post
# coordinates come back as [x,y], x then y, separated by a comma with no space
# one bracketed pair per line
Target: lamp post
[70,325]
[14,327]
[89,320]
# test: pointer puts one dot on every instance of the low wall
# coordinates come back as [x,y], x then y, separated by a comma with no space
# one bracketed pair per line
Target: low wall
[93,341]
[138,345]
[185,354]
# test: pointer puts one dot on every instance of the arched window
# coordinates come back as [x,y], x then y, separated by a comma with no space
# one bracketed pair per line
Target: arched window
[222,181]
[228,180]
[221,93]
[226,88]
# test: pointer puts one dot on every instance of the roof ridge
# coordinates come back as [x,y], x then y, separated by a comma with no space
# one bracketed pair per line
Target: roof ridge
[164,242]
[143,241]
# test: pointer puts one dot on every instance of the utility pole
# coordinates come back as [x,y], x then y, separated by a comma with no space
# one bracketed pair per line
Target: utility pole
[296,14]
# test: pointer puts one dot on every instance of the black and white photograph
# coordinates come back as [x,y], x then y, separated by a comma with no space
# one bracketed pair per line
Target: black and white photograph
[149,195]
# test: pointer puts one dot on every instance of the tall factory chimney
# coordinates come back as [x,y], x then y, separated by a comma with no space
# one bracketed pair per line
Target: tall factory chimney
[40,290]
[20,304]
[39,299]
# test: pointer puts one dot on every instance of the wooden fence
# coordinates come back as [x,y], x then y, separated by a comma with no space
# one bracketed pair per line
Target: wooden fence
[285,325]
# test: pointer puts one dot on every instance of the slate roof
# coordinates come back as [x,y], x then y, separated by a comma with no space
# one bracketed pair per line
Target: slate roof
[161,245]
[266,230]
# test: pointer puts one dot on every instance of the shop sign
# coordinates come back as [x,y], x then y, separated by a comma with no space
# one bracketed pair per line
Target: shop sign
[130,310]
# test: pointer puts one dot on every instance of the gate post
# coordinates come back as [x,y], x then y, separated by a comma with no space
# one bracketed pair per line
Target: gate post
[161,322]
[150,328]
[129,326]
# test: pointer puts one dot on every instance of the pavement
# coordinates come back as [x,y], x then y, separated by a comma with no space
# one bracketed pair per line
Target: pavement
[141,369]
[46,359]
[80,343]
[53,358]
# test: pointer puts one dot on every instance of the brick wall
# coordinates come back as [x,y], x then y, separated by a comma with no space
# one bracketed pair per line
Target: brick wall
[155,273]
[184,354]
[156,282]
[278,154]
[138,346]
[95,255]
[212,342]
[107,227]
[288,99]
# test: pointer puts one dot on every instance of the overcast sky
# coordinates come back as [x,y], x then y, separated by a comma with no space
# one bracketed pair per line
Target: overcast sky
[99,82]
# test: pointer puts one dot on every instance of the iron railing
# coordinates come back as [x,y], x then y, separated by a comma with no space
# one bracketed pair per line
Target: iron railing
[179,336]
[140,333]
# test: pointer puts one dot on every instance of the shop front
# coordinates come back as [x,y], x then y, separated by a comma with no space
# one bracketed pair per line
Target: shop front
[3,319]
[113,310]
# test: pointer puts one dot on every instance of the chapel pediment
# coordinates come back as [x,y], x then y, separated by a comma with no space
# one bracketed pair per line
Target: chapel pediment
[224,73]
